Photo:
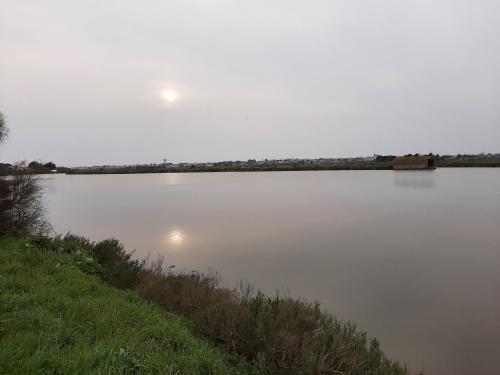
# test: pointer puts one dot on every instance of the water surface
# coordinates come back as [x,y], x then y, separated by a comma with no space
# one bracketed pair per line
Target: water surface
[411,257]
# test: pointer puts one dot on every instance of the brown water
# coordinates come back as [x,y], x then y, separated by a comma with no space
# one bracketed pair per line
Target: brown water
[411,257]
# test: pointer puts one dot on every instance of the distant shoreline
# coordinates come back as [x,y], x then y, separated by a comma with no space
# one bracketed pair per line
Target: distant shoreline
[260,166]
[275,168]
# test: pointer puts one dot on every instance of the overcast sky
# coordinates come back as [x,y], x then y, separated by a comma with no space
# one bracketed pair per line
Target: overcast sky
[81,81]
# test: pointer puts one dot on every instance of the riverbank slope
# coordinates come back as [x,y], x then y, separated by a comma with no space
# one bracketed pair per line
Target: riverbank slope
[54,318]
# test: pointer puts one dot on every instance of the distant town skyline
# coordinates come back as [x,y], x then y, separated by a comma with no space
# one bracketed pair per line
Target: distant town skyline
[122,83]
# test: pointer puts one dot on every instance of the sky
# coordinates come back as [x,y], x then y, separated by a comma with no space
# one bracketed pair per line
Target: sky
[83,82]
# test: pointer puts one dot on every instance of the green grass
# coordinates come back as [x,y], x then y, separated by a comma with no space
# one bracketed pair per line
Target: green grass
[55,319]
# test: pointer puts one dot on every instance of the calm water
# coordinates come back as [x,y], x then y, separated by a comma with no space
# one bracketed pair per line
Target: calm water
[411,257]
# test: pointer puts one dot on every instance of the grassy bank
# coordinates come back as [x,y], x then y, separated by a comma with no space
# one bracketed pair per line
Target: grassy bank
[55,319]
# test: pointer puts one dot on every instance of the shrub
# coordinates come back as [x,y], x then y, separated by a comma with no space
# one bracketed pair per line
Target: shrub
[278,334]
[119,269]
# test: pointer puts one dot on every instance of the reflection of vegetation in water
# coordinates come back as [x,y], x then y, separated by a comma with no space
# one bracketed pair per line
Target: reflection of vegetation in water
[276,334]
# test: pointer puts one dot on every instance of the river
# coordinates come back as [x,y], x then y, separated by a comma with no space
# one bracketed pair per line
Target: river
[413,258]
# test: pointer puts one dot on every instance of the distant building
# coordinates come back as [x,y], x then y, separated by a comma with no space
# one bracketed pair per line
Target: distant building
[414,162]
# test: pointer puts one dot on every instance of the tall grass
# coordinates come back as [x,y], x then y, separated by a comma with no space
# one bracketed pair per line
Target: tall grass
[277,334]
[54,319]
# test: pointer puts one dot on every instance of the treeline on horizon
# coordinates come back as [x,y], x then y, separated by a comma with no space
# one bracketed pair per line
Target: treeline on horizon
[380,162]
[35,167]
[227,168]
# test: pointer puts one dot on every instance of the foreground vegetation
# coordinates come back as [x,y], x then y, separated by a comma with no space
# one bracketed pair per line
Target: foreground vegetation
[54,317]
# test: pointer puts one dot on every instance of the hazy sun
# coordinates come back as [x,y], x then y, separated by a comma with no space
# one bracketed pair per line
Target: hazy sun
[175,237]
[170,95]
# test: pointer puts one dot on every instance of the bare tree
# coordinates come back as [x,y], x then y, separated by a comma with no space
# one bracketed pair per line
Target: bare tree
[21,197]
[3,127]
[27,212]
[5,206]
[5,203]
